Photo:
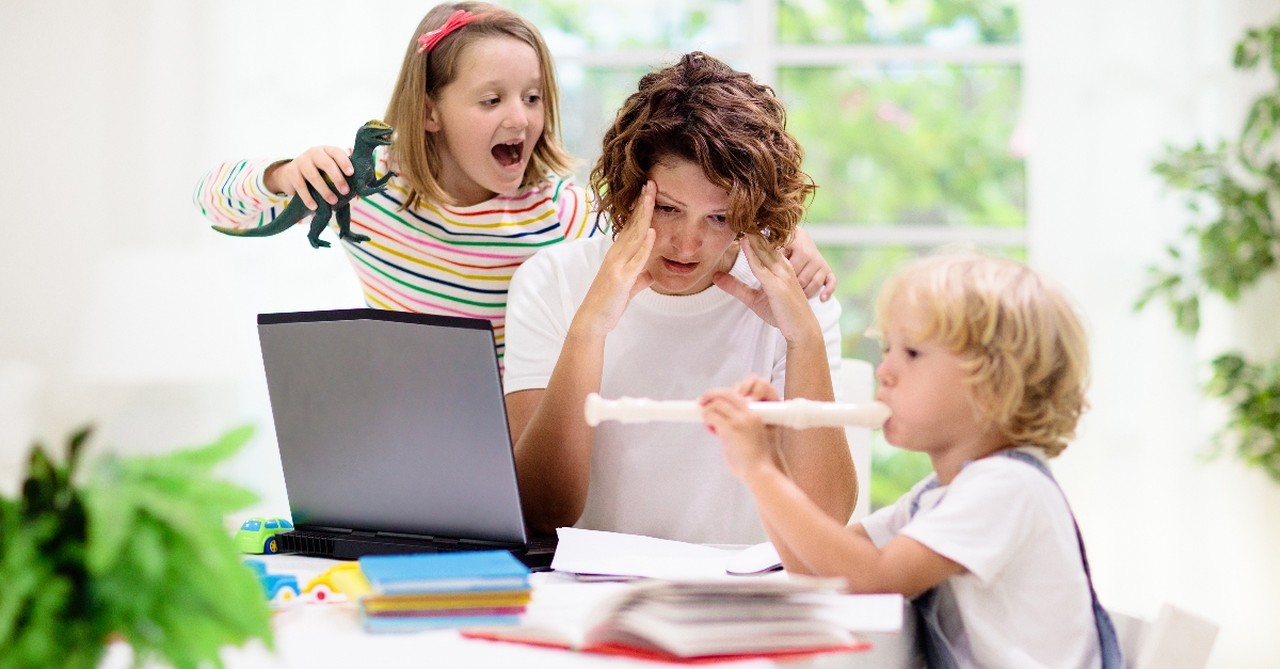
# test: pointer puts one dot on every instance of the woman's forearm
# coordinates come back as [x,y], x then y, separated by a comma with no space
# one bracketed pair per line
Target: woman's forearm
[553,448]
[817,459]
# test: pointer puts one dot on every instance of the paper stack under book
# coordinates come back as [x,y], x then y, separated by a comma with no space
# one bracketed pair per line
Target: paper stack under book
[699,620]
[424,591]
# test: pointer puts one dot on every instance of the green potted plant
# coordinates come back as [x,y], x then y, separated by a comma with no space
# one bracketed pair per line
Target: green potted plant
[1233,193]
[125,548]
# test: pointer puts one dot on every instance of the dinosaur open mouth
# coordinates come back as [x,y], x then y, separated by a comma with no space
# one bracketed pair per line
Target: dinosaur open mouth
[508,154]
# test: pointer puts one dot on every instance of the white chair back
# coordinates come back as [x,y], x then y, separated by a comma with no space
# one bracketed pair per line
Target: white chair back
[855,383]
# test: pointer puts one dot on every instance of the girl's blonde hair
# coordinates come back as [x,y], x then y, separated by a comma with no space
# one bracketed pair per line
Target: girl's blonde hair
[1022,343]
[735,129]
[415,153]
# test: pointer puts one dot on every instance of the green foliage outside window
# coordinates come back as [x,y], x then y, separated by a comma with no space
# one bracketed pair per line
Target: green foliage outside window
[920,145]
[897,22]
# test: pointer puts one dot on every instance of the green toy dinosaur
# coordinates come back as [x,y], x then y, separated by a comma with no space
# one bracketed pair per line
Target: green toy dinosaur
[362,183]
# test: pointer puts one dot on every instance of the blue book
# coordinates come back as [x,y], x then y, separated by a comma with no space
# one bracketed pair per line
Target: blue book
[459,571]
[410,624]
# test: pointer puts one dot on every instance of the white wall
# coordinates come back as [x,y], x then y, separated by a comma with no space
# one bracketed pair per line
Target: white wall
[110,112]
[1108,85]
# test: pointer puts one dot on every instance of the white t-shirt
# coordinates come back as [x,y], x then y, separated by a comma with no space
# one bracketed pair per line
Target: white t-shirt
[663,480]
[1023,601]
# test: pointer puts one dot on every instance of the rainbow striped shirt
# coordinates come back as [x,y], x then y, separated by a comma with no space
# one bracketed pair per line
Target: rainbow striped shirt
[454,261]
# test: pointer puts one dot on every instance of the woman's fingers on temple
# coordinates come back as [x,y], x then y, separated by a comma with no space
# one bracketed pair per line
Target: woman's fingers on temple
[765,257]
[642,212]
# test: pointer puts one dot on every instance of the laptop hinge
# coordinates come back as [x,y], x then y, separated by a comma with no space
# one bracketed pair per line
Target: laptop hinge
[324,528]
[411,537]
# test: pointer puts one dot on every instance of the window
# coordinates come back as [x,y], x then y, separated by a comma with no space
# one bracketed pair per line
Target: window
[908,111]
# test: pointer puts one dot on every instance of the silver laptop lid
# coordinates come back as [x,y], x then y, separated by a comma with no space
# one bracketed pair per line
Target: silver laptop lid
[392,422]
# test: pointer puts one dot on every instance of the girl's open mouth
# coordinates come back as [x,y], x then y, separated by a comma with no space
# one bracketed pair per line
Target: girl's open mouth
[508,155]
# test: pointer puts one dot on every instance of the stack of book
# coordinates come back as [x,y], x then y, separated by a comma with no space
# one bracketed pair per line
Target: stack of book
[423,591]
[700,620]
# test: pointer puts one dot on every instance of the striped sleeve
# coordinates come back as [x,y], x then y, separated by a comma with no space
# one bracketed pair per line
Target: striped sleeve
[572,210]
[233,195]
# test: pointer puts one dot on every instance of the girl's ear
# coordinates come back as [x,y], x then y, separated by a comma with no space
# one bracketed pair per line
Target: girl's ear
[431,117]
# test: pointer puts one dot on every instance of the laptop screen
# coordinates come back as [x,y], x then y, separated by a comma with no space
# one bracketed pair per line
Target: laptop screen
[392,422]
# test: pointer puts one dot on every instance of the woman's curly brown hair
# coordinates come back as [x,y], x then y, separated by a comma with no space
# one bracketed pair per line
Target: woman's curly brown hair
[704,111]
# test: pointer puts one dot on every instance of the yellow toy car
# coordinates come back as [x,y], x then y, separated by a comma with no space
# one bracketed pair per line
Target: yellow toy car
[337,583]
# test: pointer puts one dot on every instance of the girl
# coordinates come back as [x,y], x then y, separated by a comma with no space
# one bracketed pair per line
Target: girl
[481,174]
[704,186]
[984,369]
[479,185]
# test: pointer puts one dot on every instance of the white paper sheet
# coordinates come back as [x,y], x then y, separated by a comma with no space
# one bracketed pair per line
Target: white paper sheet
[615,554]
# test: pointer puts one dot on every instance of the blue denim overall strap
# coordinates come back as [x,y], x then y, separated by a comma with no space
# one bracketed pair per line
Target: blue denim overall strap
[937,648]
[1108,642]
[938,651]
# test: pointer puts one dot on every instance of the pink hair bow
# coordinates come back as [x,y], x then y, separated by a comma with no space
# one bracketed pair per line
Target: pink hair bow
[428,40]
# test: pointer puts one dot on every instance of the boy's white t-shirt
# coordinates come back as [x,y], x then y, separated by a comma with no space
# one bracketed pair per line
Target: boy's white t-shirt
[1023,600]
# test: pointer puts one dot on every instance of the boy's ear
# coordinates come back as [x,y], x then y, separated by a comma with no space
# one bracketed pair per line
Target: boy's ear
[431,117]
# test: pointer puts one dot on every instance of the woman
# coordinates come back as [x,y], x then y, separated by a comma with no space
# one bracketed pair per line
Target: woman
[703,186]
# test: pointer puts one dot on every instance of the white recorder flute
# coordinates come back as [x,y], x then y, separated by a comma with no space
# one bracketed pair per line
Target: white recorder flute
[798,413]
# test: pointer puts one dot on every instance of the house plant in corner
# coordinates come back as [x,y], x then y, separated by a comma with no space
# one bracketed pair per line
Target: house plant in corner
[1233,193]
[125,548]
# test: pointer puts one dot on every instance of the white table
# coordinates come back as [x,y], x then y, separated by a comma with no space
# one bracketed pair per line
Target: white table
[315,635]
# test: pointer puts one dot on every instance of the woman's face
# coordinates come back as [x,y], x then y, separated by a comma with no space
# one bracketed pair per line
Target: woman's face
[693,239]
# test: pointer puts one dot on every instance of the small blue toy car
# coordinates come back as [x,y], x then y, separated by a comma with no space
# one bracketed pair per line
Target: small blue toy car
[279,588]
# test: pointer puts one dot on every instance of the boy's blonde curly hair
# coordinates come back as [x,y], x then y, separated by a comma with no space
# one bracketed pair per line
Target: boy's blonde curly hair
[1022,344]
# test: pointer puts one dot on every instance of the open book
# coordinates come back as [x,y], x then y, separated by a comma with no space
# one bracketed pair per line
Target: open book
[701,619]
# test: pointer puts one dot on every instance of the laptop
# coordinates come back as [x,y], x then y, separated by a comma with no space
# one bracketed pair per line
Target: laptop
[393,436]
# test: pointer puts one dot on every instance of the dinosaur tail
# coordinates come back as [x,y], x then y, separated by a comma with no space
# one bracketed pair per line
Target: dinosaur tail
[275,227]
[240,232]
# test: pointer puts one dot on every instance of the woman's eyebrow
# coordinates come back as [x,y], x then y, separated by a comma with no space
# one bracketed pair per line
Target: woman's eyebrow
[673,200]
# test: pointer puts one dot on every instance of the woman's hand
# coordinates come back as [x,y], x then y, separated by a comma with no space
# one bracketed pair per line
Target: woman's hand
[779,300]
[313,167]
[623,273]
[811,268]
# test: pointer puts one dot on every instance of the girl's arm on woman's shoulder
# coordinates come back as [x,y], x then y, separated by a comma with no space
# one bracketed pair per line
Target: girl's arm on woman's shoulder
[815,274]
[233,194]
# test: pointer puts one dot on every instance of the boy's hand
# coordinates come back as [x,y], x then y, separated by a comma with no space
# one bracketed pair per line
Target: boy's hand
[311,167]
[815,275]
[747,442]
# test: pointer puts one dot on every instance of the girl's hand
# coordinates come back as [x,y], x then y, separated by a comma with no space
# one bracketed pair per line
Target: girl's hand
[312,167]
[779,300]
[811,268]
[747,442]
[623,272]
